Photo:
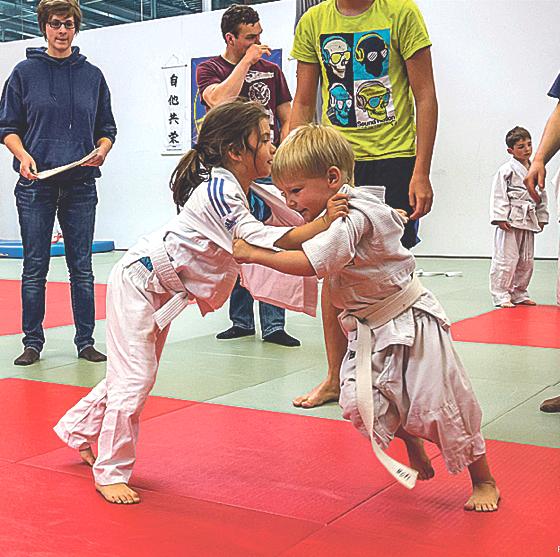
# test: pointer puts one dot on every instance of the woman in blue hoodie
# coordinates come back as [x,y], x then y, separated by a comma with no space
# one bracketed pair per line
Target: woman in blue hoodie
[55,109]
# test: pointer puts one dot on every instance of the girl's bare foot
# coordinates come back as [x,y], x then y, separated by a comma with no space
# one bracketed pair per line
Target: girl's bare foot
[319,395]
[118,493]
[507,305]
[527,303]
[87,456]
[485,497]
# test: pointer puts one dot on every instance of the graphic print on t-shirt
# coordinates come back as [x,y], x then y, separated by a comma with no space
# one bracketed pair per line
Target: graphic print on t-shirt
[357,70]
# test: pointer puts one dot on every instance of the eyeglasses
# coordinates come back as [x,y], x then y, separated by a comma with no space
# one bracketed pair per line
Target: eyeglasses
[56,24]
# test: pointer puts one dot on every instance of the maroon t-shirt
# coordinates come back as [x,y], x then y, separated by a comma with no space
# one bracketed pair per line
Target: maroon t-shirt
[264,83]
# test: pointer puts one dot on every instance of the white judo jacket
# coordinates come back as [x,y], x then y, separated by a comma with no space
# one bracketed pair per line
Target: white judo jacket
[510,201]
[199,240]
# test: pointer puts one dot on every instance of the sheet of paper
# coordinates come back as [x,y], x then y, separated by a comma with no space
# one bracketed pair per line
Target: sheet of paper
[54,171]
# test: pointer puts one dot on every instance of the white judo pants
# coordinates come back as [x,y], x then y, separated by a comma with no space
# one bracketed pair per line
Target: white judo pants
[423,388]
[512,265]
[109,414]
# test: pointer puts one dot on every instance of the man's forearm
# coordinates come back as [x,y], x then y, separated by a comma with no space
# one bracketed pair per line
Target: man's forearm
[104,142]
[229,88]
[550,142]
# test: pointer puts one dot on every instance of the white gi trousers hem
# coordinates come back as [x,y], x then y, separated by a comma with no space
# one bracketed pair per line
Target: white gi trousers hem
[421,385]
[109,414]
[512,265]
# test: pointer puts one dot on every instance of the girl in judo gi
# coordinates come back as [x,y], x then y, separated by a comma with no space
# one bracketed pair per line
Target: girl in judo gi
[401,375]
[188,257]
[517,218]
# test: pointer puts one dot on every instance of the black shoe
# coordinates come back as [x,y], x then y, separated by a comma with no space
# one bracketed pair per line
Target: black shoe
[28,357]
[282,338]
[90,354]
[235,332]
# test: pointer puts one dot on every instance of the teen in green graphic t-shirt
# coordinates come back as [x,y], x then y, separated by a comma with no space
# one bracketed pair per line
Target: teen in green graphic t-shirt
[372,58]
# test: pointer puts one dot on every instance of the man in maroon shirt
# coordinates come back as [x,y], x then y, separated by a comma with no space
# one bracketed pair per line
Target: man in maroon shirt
[242,72]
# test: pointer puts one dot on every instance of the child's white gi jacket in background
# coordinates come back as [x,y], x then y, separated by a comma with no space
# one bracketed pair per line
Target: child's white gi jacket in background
[510,201]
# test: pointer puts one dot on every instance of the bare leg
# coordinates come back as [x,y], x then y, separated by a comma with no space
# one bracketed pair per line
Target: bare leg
[118,493]
[485,496]
[87,456]
[417,456]
[335,344]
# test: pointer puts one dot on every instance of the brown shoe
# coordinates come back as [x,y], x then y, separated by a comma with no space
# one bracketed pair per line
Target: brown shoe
[90,354]
[28,357]
[551,405]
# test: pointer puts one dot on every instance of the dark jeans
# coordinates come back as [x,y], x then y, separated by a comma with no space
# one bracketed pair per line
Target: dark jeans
[241,312]
[395,175]
[38,202]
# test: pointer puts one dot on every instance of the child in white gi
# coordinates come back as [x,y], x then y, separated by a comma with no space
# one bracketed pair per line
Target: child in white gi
[517,218]
[189,257]
[415,380]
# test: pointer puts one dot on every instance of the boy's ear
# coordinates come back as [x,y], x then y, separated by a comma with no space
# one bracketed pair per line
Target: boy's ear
[510,150]
[334,177]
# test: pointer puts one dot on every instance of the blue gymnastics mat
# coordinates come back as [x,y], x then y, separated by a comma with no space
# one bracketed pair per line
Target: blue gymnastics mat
[13,249]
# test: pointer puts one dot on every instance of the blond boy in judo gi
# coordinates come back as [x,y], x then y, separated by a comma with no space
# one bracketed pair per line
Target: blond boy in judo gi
[398,334]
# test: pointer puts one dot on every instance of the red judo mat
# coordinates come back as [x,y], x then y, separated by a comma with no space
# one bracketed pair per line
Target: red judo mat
[520,326]
[29,410]
[219,480]
[58,305]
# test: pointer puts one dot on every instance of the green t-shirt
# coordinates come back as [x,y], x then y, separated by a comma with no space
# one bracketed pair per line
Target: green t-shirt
[365,89]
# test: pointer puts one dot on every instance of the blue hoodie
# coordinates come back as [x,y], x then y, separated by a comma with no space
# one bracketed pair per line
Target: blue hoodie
[59,108]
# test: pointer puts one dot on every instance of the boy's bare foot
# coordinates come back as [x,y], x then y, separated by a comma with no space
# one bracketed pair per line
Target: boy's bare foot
[507,305]
[319,395]
[118,493]
[485,497]
[87,456]
[527,303]
[418,459]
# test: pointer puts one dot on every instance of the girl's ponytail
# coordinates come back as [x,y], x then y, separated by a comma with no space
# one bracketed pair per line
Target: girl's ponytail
[190,172]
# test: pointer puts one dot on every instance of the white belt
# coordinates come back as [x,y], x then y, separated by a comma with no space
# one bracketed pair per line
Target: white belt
[381,314]
[169,279]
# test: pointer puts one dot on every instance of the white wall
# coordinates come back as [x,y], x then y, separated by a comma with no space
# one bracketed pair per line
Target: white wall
[494,62]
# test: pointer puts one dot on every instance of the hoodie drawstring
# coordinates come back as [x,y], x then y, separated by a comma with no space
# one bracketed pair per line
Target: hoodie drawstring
[51,83]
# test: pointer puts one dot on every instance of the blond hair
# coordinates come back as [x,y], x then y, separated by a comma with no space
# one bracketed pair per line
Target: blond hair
[48,8]
[310,150]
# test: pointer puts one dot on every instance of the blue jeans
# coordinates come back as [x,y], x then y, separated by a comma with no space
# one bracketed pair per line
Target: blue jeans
[241,312]
[37,203]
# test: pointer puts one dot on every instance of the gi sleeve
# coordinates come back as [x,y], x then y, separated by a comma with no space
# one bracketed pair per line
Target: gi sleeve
[499,201]
[335,248]
[12,110]
[231,209]
[104,120]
